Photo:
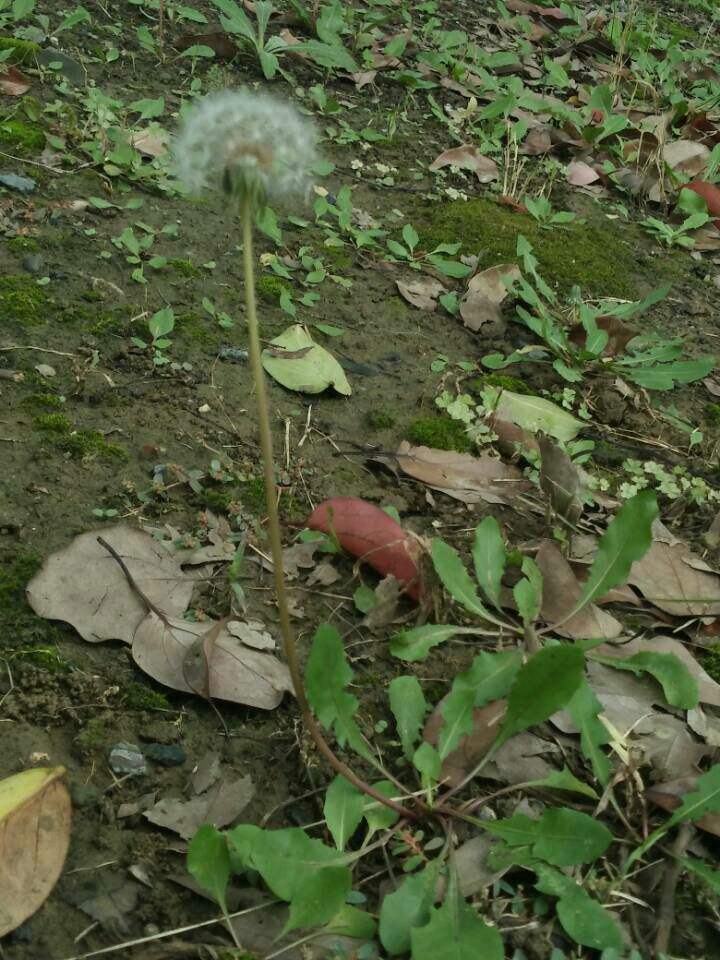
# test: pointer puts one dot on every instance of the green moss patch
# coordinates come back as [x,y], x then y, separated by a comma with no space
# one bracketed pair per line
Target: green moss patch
[17,136]
[80,444]
[269,288]
[21,50]
[594,256]
[22,301]
[440,433]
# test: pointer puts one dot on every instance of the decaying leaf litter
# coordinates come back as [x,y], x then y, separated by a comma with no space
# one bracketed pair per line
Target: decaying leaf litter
[129,413]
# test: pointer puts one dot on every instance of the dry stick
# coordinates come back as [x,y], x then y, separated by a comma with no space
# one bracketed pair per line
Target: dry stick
[666,910]
[273,528]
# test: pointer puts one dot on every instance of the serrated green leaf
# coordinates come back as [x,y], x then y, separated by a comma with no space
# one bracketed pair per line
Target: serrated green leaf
[561,837]
[343,809]
[456,932]
[413,645]
[582,918]
[679,685]
[545,684]
[664,376]
[406,908]
[564,780]
[208,862]
[710,876]
[627,539]
[455,578]
[490,558]
[584,709]
[326,676]
[427,762]
[528,592]
[408,705]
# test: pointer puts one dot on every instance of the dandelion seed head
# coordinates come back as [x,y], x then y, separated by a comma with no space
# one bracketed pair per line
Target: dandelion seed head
[236,140]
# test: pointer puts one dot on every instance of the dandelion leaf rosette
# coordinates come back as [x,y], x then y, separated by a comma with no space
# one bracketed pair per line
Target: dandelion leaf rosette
[300,364]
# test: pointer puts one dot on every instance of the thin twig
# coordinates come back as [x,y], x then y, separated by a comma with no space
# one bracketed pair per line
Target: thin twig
[666,909]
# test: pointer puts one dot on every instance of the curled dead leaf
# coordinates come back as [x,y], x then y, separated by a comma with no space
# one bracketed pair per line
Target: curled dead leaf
[485,293]
[467,157]
[422,293]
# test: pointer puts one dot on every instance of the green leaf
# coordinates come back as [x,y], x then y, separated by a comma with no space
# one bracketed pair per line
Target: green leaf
[235,19]
[664,376]
[490,558]
[710,876]
[410,236]
[679,685]
[330,55]
[544,685]
[456,932]
[326,676]
[528,592]
[161,323]
[377,815]
[413,645]
[489,678]
[408,705]
[627,539]
[584,709]
[148,108]
[319,898]
[352,922]
[428,763]
[455,578]
[582,918]
[451,268]
[564,780]
[407,907]
[534,414]
[208,862]
[568,837]
[343,810]
[298,363]
[364,599]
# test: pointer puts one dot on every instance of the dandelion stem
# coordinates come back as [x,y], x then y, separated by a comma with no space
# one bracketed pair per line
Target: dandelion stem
[273,525]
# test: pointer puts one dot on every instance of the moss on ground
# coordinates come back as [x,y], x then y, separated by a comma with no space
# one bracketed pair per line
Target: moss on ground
[712,413]
[21,50]
[21,245]
[440,433]
[185,267]
[137,696]
[42,401]
[269,288]
[380,419]
[22,301]
[80,444]
[595,256]
[513,384]
[17,136]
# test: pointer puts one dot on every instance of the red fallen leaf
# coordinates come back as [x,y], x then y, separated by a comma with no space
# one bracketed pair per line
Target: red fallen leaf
[668,796]
[710,194]
[370,534]
[619,336]
[225,48]
[13,83]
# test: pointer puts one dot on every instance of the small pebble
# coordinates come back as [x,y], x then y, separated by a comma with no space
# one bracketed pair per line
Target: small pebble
[166,754]
[33,263]
[127,758]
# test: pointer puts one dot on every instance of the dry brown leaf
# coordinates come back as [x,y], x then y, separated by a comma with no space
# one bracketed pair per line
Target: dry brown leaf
[619,335]
[422,294]
[13,83]
[83,584]
[467,157]
[485,292]
[686,156]
[35,813]
[674,579]
[580,174]
[151,143]
[362,78]
[473,746]
[462,476]
[220,805]
[708,689]
[235,672]
[537,142]
[561,480]
[561,591]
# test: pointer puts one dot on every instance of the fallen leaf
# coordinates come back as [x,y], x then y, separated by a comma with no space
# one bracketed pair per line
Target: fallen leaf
[362,78]
[325,574]
[537,142]
[467,157]
[373,536]
[473,746]
[106,897]
[219,42]
[422,294]
[469,864]
[485,292]
[534,414]
[206,772]
[619,335]
[298,363]
[562,480]
[13,82]
[220,805]
[252,634]
[483,479]
[580,174]
[387,598]
[686,156]
[45,370]
[83,584]
[235,672]
[35,815]
[561,591]
[151,143]
[674,579]
[710,193]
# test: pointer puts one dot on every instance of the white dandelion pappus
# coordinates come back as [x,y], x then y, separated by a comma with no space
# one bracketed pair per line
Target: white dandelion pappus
[238,136]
